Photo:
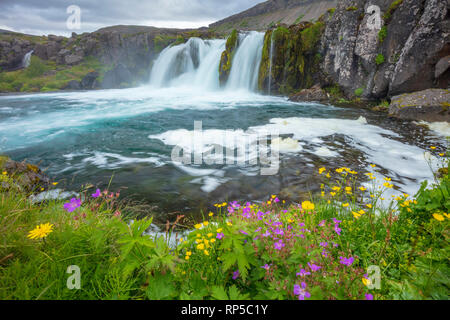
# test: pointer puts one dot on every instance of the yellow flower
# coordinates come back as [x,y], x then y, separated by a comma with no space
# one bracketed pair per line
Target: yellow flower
[209,235]
[373,166]
[211,214]
[328,175]
[4,173]
[181,239]
[219,230]
[433,148]
[348,190]
[205,223]
[322,170]
[438,217]
[366,281]
[189,253]
[362,189]
[336,188]
[388,185]
[206,252]
[198,240]
[198,226]
[356,215]
[322,193]
[369,206]
[333,194]
[224,204]
[387,179]
[274,196]
[212,240]
[353,172]
[187,257]
[345,205]
[201,246]
[447,215]
[307,205]
[340,170]
[54,183]
[269,202]
[229,223]
[41,231]
[198,235]
[442,154]
[290,220]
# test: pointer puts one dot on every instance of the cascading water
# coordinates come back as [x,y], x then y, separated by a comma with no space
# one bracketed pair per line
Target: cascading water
[247,59]
[27,59]
[270,63]
[196,64]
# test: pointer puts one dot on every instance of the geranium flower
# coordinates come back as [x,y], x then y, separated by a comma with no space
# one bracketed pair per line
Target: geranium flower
[279,245]
[220,235]
[346,261]
[97,194]
[303,273]
[301,292]
[72,205]
[314,267]
[235,274]
[369,296]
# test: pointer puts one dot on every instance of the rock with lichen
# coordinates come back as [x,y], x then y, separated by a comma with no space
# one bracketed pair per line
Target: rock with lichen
[21,175]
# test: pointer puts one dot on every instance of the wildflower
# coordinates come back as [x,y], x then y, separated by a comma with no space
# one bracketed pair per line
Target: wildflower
[198,226]
[369,206]
[438,217]
[433,148]
[362,189]
[369,296]
[340,170]
[211,214]
[356,215]
[187,257]
[337,189]
[388,185]
[206,253]
[324,244]
[314,267]
[229,223]
[333,194]
[366,281]
[387,179]
[72,205]
[209,235]
[201,246]
[54,183]
[212,240]
[346,261]
[235,274]
[4,173]
[322,223]
[219,230]
[303,273]
[97,194]
[181,239]
[348,190]
[445,214]
[373,166]
[220,236]
[441,154]
[307,205]
[117,214]
[205,223]
[328,175]
[266,267]
[322,170]
[41,231]
[301,292]
[345,205]
[279,245]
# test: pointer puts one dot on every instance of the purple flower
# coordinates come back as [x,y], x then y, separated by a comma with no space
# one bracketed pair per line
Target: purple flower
[243,232]
[266,266]
[346,261]
[220,235]
[279,231]
[97,194]
[276,200]
[314,267]
[369,296]
[324,244]
[322,223]
[303,273]
[324,253]
[72,205]
[235,274]
[301,292]
[279,245]
[337,229]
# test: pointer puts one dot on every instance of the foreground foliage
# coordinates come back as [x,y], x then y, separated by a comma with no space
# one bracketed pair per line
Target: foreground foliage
[325,248]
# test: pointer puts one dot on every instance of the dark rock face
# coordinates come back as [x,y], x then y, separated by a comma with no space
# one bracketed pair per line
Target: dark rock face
[89,81]
[73,85]
[23,176]
[356,55]
[118,77]
[428,105]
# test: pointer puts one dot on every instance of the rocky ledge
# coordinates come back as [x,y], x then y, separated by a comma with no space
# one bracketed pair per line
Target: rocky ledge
[21,176]
[427,105]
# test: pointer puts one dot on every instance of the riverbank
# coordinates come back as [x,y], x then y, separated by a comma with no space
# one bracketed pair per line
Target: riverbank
[324,248]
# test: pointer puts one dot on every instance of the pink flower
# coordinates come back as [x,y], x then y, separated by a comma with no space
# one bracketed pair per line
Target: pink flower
[72,205]
[301,292]
[97,194]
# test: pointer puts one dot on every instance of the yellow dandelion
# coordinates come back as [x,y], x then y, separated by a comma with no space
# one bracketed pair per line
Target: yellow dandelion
[201,246]
[187,257]
[210,214]
[205,223]
[433,148]
[41,231]
[362,189]
[441,154]
[212,240]
[4,173]
[333,194]
[54,183]
[209,235]
[366,281]
[322,170]
[388,185]
[206,253]
[307,205]
[345,205]
[189,253]
[369,206]
[229,223]
[336,188]
[198,226]
[373,165]
[219,230]
[438,217]
[447,215]
[328,175]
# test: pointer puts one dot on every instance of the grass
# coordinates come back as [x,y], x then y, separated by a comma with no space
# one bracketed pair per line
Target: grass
[379,59]
[321,249]
[42,76]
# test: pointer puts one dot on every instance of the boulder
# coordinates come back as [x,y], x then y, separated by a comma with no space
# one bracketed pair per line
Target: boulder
[117,77]
[427,105]
[88,81]
[442,66]
[315,93]
[73,59]
[22,175]
[72,85]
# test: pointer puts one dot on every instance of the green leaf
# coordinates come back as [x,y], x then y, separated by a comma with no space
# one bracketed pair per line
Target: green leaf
[219,293]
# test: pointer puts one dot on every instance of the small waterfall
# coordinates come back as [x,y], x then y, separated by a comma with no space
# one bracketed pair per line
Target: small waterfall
[270,62]
[246,61]
[27,59]
[194,63]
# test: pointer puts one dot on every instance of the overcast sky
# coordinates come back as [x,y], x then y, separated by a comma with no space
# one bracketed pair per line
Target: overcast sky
[50,16]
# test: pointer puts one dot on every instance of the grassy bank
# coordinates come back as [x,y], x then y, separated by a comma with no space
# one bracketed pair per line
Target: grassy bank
[321,249]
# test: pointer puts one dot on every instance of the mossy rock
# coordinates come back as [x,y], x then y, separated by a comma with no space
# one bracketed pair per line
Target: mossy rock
[227,57]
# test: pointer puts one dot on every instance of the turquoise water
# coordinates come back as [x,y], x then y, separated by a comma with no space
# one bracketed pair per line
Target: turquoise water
[129,134]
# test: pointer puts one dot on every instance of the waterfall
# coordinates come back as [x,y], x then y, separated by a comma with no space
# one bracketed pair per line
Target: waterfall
[27,59]
[196,64]
[246,61]
[270,62]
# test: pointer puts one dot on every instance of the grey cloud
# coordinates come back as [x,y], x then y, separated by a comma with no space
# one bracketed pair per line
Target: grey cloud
[49,16]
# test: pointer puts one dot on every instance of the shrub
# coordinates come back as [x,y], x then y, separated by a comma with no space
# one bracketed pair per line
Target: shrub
[382,34]
[379,59]
[359,92]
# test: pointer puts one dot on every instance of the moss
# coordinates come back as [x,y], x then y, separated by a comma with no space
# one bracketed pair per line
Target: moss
[382,34]
[394,5]
[379,59]
[227,56]
[352,8]
[359,92]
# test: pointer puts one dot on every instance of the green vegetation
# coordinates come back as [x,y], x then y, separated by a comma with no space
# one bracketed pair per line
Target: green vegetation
[300,17]
[352,8]
[295,57]
[394,5]
[379,59]
[46,75]
[270,250]
[227,56]
[359,92]
[382,34]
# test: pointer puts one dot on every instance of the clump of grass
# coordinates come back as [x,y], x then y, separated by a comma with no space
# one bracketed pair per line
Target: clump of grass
[379,59]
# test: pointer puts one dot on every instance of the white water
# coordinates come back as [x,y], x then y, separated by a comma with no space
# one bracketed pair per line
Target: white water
[195,64]
[27,59]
